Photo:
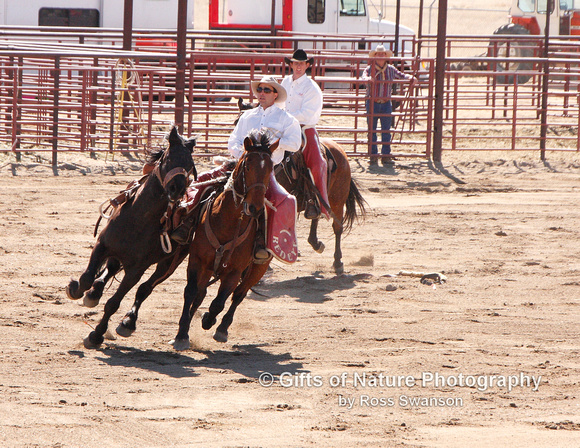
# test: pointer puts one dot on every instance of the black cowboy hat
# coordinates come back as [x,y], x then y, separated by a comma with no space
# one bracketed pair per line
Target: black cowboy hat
[299,56]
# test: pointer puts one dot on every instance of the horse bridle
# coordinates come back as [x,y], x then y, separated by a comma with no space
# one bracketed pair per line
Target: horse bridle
[164,181]
[242,197]
[238,199]
[178,171]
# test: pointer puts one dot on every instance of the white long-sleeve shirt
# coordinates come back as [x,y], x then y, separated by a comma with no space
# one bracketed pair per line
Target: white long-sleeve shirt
[281,124]
[304,99]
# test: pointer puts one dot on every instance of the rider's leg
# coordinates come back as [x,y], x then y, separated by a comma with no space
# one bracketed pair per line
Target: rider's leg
[260,252]
[318,167]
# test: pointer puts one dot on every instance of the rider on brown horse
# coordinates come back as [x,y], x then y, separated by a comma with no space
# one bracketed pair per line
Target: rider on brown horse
[283,126]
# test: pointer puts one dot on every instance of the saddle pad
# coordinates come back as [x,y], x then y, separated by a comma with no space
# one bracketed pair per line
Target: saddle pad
[281,224]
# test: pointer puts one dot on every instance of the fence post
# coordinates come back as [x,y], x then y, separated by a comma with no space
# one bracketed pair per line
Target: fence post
[429,130]
[578,102]
[440,81]
[85,94]
[514,113]
[55,110]
[93,104]
[180,63]
[14,110]
[545,79]
[112,113]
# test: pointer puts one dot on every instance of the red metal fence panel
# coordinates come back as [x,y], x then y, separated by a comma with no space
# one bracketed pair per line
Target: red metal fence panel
[84,94]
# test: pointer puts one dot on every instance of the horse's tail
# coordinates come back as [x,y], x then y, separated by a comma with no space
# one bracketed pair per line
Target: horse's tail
[354,199]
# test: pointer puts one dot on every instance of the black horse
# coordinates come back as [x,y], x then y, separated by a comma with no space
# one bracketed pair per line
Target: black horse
[223,246]
[131,240]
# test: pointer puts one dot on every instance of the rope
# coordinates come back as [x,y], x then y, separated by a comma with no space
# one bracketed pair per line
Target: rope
[127,81]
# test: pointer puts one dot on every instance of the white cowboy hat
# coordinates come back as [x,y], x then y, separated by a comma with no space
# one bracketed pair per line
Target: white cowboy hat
[270,81]
[381,49]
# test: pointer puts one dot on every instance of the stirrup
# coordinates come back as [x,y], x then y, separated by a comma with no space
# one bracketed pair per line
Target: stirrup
[311,211]
[261,256]
[183,235]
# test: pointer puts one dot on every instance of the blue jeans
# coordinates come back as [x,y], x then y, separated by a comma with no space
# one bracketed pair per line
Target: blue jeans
[381,112]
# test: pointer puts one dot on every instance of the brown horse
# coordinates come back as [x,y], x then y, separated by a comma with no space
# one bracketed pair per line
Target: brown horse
[131,239]
[343,194]
[223,245]
[342,191]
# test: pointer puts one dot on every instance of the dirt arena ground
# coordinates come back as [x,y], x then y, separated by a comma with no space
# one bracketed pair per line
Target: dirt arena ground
[366,359]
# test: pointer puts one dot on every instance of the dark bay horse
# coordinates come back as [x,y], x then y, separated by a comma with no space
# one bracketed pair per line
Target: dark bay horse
[223,245]
[343,195]
[131,239]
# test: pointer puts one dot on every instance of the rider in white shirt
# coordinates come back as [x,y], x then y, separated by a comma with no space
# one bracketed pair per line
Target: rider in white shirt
[267,115]
[304,102]
[283,126]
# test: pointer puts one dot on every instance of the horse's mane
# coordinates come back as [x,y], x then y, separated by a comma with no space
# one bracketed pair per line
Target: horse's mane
[153,155]
[261,139]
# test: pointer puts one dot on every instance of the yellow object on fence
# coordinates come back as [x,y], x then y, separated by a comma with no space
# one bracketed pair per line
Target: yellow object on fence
[128,90]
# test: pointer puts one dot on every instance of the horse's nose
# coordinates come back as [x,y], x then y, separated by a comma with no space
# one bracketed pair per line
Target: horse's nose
[174,191]
[251,210]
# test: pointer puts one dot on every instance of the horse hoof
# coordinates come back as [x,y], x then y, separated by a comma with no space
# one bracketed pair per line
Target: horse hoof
[221,336]
[180,344]
[206,322]
[89,303]
[109,336]
[339,269]
[72,290]
[124,331]
[93,295]
[93,341]
[320,248]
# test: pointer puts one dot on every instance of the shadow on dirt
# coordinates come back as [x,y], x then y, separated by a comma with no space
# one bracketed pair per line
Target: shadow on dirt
[438,168]
[307,289]
[247,360]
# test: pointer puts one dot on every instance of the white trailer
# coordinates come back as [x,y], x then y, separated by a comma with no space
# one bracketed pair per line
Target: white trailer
[147,14]
[303,16]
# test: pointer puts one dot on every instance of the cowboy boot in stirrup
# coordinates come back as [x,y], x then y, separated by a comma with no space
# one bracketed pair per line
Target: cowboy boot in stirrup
[261,255]
[311,206]
[183,234]
[312,210]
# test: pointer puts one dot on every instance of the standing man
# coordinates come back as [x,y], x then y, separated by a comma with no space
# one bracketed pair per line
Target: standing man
[281,234]
[381,75]
[305,103]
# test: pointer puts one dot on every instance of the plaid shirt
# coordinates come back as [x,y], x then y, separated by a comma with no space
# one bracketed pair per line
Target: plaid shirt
[383,76]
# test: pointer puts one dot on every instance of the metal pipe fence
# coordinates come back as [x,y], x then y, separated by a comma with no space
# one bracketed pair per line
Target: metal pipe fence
[86,95]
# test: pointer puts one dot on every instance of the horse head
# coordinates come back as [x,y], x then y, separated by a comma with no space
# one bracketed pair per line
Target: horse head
[254,170]
[242,107]
[175,164]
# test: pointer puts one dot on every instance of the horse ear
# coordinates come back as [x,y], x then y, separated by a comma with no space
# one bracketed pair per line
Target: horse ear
[247,143]
[190,143]
[174,137]
[274,146]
